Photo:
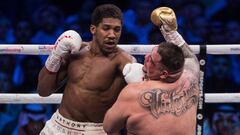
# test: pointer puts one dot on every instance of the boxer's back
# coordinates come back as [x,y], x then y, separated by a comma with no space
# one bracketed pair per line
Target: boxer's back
[162,109]
[93,85]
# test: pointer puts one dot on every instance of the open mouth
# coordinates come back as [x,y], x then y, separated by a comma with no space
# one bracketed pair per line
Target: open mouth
[110,44]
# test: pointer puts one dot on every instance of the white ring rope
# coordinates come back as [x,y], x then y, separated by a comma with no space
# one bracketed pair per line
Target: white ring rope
[29,99]
[56,98]
[137,49]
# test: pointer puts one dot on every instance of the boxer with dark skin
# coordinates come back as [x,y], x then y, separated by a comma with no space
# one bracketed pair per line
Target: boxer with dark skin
[93,71]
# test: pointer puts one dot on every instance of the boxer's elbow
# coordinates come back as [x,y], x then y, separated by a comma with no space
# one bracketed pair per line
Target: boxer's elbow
[106,126]
[107,129]
[43,92]
[44,88]
[109,132]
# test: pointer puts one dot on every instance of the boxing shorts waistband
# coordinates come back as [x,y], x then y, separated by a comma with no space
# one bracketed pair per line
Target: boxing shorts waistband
[74,125]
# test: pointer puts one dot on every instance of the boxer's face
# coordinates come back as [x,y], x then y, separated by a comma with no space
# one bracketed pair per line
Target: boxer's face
[107,34]
[152,65]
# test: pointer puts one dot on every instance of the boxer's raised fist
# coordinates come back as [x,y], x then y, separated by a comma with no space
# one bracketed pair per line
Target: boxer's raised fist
[164,17]
[68,42]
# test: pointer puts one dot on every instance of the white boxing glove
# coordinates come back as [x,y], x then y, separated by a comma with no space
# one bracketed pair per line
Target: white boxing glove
[133,72]
[68,42]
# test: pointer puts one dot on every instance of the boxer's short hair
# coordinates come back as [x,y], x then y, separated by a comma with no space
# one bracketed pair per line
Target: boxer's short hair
[106,11]
[172,56]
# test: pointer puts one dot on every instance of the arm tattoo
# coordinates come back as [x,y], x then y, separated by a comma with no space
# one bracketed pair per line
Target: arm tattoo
[175,102]
[192,67]
[191,61]
[187,51]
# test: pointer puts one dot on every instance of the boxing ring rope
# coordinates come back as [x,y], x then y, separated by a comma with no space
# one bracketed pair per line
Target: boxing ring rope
[137,49]
[56,98]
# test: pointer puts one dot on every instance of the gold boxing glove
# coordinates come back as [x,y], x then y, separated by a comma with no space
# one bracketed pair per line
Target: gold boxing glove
[164,16]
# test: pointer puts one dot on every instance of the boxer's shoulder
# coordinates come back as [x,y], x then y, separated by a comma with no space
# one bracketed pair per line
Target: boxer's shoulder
[133,89]
[85,44]
[123,55]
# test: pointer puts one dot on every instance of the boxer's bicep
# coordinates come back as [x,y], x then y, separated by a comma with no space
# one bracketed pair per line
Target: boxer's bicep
[125,59]
[192,65]
[62,73]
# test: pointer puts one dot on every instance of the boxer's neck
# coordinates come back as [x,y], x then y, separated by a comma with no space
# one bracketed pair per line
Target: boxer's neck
[94,49]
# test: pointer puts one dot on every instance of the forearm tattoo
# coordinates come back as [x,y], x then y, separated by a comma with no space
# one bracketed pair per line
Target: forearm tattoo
[191,61]
[175,102]
[187,51]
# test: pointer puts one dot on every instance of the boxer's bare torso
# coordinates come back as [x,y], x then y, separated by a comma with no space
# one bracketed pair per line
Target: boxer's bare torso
[94,82]
[155,108]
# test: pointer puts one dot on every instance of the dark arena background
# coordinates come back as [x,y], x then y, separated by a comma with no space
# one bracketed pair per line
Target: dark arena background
[203,23]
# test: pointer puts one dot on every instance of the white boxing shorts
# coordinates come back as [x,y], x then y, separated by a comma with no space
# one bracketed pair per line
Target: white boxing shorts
[58,125]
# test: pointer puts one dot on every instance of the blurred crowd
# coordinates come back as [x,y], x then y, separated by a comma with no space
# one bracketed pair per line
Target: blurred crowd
[42,21]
